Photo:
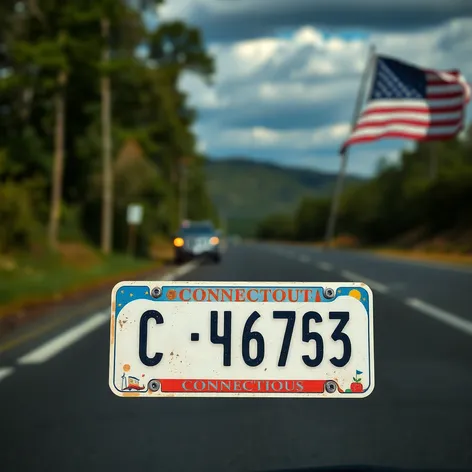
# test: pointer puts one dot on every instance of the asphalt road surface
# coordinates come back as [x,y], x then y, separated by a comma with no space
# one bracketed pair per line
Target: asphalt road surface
[58,413]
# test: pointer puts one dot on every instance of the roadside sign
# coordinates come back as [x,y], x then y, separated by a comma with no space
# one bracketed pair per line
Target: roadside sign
[134,214]
[241,339]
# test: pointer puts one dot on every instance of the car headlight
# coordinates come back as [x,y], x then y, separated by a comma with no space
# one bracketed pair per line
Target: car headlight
[214,240]
[178,242]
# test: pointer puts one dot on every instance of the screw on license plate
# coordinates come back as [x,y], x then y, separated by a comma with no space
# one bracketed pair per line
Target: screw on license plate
[156,292]
[154,385]
[329,292]
[330,386]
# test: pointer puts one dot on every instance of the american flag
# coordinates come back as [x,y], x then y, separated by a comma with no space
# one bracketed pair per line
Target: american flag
[411,103]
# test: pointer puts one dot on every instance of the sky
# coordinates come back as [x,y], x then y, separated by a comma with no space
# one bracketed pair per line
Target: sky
[288,71]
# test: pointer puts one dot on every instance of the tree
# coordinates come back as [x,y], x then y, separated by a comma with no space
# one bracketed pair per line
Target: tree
[310,219]
[112,11]
[176,48]
[40,54]
[53,72]
[276,227]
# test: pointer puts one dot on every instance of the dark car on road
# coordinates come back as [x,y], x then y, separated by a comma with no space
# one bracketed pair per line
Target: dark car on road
[197,239]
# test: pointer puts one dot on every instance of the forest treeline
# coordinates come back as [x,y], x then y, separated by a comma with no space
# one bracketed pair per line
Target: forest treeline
[426,196]
[62,66]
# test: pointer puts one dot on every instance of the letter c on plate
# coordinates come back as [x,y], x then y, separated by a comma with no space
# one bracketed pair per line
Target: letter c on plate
[143,334]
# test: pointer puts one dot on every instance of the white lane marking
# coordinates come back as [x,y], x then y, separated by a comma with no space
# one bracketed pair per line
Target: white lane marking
[441,315]
[5,372]
[53,347]
[180,271]
[186,268]
[360,278]
[325,266]
[304,258]
[49,349]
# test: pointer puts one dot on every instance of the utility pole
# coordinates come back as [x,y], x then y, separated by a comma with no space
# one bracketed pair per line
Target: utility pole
[330,227]
[107,171]
[58,164]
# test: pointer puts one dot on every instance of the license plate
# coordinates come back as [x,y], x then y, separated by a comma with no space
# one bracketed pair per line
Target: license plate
[244,339]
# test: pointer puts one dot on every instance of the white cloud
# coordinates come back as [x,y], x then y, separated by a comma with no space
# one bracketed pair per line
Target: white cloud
[262,137]
[295,93]
[232,20]
[449,46]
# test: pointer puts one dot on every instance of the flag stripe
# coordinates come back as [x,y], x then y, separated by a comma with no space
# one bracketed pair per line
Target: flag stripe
[426,104]
[412,103]
[412,123]
[409,115]
[401,135]
[414,108]
[440,96]
[403,131]
[432,89]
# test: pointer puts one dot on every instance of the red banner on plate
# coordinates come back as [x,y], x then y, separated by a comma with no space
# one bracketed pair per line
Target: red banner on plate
[243,386]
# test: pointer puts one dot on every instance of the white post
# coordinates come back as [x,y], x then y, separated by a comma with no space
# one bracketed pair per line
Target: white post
[330,228]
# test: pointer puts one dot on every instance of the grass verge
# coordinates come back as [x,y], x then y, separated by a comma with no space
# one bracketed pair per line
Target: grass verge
[451,258]
[27,282]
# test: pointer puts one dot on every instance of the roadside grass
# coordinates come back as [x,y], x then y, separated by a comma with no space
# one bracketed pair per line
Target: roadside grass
[462,259]
[27,280]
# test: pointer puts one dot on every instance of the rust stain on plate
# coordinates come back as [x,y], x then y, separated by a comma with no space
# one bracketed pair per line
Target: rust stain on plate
[121,323]
[112,330]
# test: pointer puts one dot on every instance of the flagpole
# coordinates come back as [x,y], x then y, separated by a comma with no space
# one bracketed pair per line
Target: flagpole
[330,228]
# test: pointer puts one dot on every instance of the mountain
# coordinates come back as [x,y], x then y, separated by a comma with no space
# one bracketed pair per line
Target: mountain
[245,190]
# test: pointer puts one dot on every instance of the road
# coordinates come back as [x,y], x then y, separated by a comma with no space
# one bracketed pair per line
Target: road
[58,411]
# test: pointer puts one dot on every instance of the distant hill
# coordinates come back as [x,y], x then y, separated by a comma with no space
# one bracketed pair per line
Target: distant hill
[246,191]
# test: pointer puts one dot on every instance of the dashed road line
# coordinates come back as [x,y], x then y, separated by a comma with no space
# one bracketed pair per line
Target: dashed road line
[440,315]
[304,258]
[5,372]
[49,349]
[325,266]
[360,278]
[180,271]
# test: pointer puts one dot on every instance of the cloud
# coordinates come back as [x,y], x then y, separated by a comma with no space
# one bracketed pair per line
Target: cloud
[286,92]
[229,20]
[298,82]
[259,136]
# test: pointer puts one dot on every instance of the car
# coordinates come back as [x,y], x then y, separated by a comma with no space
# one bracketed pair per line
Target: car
[196,240]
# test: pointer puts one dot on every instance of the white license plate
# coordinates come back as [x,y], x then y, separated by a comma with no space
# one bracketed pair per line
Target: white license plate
[246,339]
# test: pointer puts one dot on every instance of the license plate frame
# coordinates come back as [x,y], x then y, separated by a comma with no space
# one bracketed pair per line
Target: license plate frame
[171,377]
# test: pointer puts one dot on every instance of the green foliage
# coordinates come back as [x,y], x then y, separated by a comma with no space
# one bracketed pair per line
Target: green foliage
[278,227]
[246,191]
[310,219]
[401,203]
[20,225]
[244,227]
[47,37]
[177,47]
